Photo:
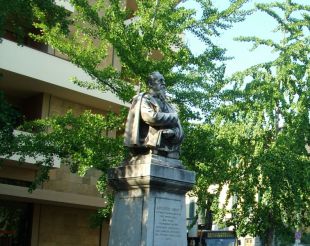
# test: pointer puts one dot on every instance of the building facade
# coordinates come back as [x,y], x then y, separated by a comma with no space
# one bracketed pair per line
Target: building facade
[35,79]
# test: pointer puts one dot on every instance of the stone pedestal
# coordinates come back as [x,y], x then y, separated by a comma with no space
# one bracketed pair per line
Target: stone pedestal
[149,208]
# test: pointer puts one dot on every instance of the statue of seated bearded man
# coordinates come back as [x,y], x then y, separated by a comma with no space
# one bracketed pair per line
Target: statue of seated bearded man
[152,124]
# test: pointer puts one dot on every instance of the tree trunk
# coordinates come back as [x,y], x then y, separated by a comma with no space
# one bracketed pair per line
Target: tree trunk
[269,236]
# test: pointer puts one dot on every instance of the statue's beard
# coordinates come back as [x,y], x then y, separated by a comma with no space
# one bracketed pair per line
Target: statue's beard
[161,94]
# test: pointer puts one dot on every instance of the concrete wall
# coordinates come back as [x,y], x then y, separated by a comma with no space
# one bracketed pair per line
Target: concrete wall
[65,226]
[53,105]
[68,226]
[60,222]
[64,181]
[46,73]
[9,170]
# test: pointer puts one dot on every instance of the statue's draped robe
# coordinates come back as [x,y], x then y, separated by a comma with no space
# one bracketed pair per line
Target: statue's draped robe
[148,119]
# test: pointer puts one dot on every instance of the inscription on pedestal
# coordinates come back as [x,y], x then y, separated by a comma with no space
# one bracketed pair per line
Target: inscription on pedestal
[168,225]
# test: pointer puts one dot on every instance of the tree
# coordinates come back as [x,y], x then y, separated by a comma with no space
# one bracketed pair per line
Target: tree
[17,17]
[8,119]
[152,41]
[205,152]
[265,120]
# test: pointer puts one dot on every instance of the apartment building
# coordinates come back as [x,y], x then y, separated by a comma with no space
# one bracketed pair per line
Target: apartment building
[36,80]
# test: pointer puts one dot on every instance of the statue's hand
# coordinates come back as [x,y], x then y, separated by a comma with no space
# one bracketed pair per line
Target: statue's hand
[168,133]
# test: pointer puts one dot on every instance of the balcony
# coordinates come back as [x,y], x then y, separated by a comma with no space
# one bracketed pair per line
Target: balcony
[34,71]
[30,159]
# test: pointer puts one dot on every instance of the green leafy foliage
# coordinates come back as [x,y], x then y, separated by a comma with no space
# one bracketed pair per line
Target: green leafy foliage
[265,113]
[145,40]
[17,17]
[204,151]
[8,119]
[82,142]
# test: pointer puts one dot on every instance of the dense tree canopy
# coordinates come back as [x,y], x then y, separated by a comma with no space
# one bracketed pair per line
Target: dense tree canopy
[17,17]
[8,119]
[263,127]
[147,39]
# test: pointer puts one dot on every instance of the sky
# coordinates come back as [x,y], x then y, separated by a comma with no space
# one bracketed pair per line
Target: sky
[258,24]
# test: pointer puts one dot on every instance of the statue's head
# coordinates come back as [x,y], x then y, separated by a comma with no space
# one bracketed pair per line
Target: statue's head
[156,83]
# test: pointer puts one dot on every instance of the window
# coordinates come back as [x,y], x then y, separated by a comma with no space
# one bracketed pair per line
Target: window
[248,242]
[15,223]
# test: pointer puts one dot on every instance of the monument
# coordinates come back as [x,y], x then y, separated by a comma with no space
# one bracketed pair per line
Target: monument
[150,187]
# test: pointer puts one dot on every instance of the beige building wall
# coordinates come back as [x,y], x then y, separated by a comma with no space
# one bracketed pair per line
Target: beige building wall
[64,180]
[55,224]
[9,170]
[65,226]
[53,106]
[55,221]
[110,60]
